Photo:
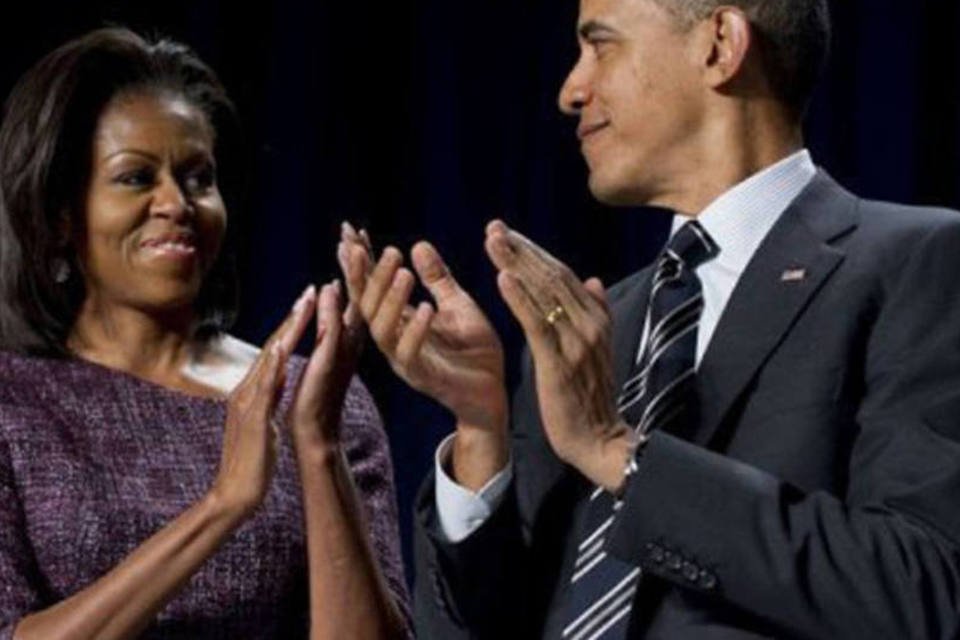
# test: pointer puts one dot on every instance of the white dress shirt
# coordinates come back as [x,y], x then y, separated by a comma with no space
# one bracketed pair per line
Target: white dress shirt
[738,221]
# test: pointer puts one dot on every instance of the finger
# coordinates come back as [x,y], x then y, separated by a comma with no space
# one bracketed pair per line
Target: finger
[379,281]
[352,321]
[414,333]
[292,324]
[433,272]
[549,281]
[349,234]
[329,317]
[356,265]
[313,384]
[538,332]
[347,231]
[270,383]
[385,325]
[596,289]
[365,240]
[300,318]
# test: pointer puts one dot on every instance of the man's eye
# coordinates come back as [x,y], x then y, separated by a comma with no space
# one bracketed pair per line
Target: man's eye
[600,46]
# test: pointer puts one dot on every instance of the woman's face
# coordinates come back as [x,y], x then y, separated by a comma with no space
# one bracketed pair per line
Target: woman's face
[154,217]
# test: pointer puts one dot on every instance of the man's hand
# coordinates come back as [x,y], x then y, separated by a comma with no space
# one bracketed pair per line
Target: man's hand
[567,326]
[451,353]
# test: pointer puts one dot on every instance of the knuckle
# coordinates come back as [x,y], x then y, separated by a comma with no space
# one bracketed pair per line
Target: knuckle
[401,360]
[577,354]
[378,332]
[593,335]
[551,273]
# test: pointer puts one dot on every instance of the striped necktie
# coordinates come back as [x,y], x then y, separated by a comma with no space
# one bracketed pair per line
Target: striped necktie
[655,396]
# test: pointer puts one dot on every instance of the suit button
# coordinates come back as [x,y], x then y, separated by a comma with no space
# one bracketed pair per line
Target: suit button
[673,560]
[691,571]
[707,580]
[655,553]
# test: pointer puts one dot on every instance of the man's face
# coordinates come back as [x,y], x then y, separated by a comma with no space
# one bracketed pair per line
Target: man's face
[636,89]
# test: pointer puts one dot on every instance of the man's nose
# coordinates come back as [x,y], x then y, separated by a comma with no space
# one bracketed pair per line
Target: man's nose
[575,92]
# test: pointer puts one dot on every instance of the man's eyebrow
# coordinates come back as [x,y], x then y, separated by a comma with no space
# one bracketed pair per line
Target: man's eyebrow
[591,28]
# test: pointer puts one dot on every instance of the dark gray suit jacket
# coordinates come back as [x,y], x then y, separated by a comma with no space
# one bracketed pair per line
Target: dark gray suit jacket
[818,495]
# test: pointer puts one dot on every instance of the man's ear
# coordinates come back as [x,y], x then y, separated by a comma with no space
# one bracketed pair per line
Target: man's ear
[724,41]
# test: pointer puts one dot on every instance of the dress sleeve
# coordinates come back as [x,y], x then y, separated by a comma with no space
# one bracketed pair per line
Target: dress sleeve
[368,454]
[18,595]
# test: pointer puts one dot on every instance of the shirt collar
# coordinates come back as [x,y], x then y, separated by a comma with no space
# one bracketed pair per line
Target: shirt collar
[740,218]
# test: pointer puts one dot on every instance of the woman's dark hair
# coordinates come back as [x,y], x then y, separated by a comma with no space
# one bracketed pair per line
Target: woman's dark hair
[45,150]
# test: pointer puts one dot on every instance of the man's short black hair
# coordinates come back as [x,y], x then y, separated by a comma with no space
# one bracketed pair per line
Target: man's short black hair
[794,37]
[45,149]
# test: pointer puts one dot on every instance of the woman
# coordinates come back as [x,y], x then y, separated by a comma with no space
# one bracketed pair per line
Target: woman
[159,478]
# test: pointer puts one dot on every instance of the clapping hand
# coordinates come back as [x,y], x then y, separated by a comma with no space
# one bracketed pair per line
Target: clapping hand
[250,437]
[450,352]
[315,413]
[567,326]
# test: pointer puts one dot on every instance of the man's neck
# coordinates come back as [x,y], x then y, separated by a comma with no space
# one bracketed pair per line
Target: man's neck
[728,155]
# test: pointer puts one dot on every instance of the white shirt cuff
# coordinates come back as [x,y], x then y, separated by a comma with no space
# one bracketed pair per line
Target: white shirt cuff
[461,511]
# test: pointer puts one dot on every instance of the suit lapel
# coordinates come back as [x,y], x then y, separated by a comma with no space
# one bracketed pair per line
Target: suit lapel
[790,266]
[628,311]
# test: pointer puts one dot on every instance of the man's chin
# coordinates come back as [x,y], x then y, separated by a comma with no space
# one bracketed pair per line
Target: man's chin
[614,192]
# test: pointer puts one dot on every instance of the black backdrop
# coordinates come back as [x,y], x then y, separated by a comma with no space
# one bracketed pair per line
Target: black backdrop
[426,118]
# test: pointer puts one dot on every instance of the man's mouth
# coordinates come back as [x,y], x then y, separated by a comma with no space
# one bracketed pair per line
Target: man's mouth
[587,129]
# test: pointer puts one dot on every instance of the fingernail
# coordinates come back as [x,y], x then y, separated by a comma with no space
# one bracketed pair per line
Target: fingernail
[298,305]
[336,285]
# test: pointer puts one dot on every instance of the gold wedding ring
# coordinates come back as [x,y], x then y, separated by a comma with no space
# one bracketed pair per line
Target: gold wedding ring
[555,314]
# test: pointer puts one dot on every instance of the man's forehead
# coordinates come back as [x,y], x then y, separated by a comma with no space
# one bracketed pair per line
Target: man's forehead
[613,12]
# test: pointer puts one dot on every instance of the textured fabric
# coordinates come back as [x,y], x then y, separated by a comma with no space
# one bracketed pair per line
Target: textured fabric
[93,462]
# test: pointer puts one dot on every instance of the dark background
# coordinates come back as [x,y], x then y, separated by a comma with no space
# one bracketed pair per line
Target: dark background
[426,118]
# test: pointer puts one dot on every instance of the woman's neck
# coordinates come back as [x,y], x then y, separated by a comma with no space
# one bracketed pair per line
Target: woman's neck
[147,345]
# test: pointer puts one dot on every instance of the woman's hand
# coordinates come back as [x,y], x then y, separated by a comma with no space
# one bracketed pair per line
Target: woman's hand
[250,433]
[315,413]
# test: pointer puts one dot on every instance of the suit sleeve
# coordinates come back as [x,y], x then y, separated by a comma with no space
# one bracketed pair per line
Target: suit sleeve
[485,585]
[474,588]
[881,561]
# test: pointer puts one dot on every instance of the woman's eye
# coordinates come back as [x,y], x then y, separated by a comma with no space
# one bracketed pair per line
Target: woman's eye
[136,178]
[199,180]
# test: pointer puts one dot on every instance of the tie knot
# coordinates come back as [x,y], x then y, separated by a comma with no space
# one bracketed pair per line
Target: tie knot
[691,245]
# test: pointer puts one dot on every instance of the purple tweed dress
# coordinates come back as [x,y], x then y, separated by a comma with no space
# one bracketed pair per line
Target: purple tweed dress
[93,462]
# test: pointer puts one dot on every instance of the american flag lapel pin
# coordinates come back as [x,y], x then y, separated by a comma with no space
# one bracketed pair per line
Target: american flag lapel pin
[793,275]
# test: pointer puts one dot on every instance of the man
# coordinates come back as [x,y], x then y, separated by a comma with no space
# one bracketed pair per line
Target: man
[757,436]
